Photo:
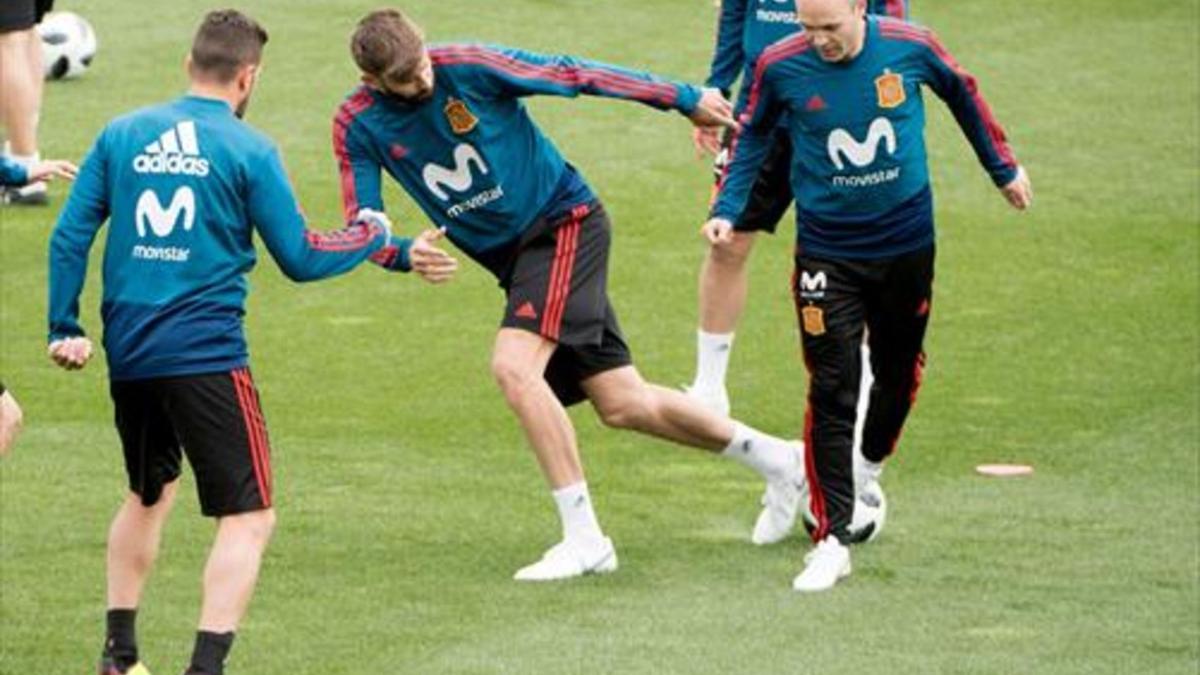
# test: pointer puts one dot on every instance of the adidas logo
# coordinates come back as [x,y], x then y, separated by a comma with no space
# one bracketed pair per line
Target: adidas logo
[815,104]
[526,311]
[176,152]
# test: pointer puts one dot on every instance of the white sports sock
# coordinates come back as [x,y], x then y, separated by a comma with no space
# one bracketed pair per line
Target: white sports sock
[712,359]
[771,457]
[575,510]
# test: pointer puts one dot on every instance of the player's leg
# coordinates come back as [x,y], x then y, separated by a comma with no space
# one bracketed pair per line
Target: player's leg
[551,297]
[21,82]
[221,426]
[831,316]
[724,284]
[152,464]
[625,401]
[897,318]
[519,361]
[724,276]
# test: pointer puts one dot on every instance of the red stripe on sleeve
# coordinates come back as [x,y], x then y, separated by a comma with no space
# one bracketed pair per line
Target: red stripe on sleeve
[995,132]
[351,108]
[611,81]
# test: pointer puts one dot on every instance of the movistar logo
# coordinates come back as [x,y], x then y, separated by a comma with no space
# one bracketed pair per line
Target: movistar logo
[842,146]
[150,212]
[176,152]
[813,282]
[459,179]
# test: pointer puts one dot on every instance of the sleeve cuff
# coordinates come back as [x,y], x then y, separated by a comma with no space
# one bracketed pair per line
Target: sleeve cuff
[687,99]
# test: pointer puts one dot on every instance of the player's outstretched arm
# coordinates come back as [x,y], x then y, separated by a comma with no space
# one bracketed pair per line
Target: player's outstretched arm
[303,254]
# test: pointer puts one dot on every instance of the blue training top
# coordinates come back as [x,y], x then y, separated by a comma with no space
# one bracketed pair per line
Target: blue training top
[857,127]
[181,185]
[471,157]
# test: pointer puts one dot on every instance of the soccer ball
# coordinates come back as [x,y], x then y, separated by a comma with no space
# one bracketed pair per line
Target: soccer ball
[870,513]
[68,45]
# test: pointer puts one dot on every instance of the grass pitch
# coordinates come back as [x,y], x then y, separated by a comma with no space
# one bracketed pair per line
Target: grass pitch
[1066,338]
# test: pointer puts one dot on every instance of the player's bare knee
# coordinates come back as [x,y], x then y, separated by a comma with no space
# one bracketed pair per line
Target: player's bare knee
[257,524]
[512,378]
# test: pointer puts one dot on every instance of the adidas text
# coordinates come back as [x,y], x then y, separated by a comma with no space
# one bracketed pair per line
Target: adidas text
[173,164]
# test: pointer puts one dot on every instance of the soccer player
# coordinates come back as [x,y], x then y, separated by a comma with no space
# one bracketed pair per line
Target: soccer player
[183,185]
[745,29]
[850,89]
[21,81]
[447,123]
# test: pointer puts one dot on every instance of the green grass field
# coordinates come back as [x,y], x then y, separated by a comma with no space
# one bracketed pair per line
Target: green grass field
[1066,338]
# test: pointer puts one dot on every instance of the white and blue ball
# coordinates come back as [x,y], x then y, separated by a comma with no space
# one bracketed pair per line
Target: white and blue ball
[68,45]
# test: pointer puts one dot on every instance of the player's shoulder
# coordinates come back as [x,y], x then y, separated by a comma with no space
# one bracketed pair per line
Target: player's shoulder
[468,54]
[904,34]
[790,47]
[356,102]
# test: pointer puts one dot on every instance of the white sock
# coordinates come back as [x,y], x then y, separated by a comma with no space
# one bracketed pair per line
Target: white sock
[866,472]
[575,510]
[771,457]
[712,359]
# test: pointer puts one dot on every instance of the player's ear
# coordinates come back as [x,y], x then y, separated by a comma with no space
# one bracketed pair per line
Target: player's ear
[371,81]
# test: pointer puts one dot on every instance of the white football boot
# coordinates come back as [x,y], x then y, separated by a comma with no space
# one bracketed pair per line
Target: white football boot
[828,562]
[570,558]
[782,502]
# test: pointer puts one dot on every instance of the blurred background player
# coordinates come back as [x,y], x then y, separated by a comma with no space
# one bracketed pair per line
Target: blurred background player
[21,78]
[849,87]
[13,174]
[447,124]
[184,185]
[744,30]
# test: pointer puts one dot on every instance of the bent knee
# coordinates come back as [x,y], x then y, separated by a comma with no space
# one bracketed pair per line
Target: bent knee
[512,378]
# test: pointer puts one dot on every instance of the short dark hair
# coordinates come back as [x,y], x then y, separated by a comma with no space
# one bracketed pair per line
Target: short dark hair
[387,44]
[226,41]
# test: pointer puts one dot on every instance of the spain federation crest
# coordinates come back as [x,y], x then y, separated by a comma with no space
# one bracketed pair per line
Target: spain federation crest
[460,117]
[813,320]
[889,89]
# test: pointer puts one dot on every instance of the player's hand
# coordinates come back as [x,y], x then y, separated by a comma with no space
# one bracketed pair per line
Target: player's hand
[432,263]
[717,231]
[1019,192]
[70,353]
[713,110]
[706,140]
[51,168]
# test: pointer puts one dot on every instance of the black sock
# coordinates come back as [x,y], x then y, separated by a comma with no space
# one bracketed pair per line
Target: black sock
[120,642]
[209,655]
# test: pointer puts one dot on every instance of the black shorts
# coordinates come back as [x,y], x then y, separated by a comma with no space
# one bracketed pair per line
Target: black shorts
[22,14]
[216,419]
[771,194]
[557,288]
